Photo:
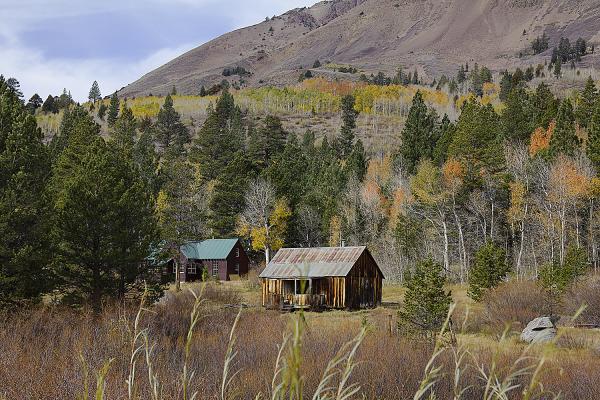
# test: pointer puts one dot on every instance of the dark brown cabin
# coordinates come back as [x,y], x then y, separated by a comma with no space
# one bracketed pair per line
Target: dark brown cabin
[222,259]
[323,277]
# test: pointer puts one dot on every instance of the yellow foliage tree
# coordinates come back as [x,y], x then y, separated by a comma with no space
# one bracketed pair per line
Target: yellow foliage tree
[265,219]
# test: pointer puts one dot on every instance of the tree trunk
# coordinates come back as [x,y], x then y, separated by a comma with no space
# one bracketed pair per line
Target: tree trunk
[462,250]
[446,257]
[177,277]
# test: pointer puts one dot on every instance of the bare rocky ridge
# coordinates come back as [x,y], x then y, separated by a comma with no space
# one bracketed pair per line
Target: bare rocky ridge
[434,36]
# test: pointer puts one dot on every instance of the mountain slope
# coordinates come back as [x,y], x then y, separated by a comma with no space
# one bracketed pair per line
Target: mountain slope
[434,36]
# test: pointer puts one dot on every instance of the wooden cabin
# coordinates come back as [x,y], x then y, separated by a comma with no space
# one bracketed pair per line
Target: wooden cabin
[323,277]
[222,259]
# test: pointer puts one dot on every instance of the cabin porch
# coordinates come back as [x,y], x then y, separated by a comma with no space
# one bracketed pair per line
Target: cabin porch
[294,294]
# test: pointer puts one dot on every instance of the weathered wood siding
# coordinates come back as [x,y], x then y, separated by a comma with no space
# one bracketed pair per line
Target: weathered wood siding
[364,284]
[361,288]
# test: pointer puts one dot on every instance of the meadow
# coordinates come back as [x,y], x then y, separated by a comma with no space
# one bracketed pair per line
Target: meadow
[183,347]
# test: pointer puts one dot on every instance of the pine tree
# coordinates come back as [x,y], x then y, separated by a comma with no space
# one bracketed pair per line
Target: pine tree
[426,303]
[102,111]
[587,102]
[49,105]
[34,103]
[101,234]
[267,141]
[24,166]
[558,69]
[477,138]
[94,94]
[593,142]
[505,85]
[564,139]
[417,141]
[545,106]
[349,115]
[113,110]
[288,171]
[220,137]
[180,208]
[446,135]
[146,158]
[489,269]
[227,200]
[356,165]
[170,132]
[461,76]
[124,130]
[72,120]
[517,116]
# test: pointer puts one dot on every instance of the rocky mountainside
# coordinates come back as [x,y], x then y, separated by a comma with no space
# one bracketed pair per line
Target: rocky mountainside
[434,36]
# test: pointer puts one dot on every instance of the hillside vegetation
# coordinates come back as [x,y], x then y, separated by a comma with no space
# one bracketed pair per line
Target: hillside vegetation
[368,36]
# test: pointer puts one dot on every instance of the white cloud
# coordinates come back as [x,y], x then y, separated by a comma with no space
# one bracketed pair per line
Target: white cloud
[49,76]
[43,73]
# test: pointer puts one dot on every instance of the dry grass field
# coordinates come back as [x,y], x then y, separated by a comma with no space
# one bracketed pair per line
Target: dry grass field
[59,353]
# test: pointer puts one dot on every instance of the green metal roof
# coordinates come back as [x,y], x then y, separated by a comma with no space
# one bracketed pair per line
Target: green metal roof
[211,249]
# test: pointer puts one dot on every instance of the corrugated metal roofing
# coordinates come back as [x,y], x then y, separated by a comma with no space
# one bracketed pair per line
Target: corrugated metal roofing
[211,249]
[312,262]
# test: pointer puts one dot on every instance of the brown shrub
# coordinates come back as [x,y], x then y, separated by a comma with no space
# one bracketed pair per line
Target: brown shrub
[586,293]
[39,357]
[513,304]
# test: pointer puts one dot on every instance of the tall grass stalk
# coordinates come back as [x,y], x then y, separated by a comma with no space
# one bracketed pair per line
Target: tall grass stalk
[432,372]
[155,389]
[229,359]
[342,364]
[101,379]
[136,347]
[187,376]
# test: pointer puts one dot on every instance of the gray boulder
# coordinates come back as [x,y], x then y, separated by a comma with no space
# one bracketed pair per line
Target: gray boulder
[540,330]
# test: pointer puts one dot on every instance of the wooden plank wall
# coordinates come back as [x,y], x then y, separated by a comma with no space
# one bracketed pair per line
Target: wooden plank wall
[360,289]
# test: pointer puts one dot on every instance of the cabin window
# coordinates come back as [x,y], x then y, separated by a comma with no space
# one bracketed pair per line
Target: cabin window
[192,268]
[181,269]
[302,286]
[236,269]
[215,268]
[237,252]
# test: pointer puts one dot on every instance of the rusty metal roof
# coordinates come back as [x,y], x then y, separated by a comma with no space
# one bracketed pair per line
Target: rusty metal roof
[312,262]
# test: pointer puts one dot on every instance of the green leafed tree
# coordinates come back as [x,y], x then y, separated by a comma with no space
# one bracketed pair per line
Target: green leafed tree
[94,94]
[113,110]
[356,164]
[49,105]
[517,119]
[564,139]
[220,137]
[477,139]
[489,269]
[426,302]
[171,134]
[24,166]
[417,136]
[593,142]
[103,223]
[266,142]
[349,114]
[181,209]
[227,200]
[587,103]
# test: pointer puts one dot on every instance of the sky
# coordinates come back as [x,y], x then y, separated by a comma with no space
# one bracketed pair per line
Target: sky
[49,45]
